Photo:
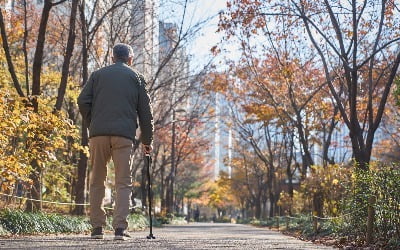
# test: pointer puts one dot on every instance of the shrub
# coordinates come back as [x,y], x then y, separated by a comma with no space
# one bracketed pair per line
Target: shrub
[18,222]
[223,219]
[3,232]
[382,182]
[136,222]
[178,221]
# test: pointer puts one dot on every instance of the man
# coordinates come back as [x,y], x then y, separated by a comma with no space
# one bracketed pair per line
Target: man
[112,100]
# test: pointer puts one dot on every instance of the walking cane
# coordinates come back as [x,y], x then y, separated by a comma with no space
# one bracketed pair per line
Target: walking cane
[150,196]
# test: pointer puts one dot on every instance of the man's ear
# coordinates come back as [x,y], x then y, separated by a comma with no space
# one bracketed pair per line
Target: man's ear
[130,60]
[113,59]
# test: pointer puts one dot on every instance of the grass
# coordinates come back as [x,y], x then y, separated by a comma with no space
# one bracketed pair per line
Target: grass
[19,222]
[136,222]
[169,219]
[301,224]
[22,223]
[3,232]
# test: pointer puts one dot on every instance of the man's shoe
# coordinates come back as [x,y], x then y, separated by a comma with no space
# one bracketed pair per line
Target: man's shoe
[97,233]
[120,234]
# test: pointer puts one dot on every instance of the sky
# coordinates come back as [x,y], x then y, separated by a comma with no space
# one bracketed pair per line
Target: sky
[197,11]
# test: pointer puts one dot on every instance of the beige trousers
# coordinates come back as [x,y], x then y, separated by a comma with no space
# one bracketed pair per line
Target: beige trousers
[102,149]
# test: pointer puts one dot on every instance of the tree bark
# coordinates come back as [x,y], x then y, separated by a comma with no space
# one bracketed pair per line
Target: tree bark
[81,178]
[38,56]
[35,189]
[67,57]
[36,74]
[83,159]
[10,64]
[162,187]
[24,48]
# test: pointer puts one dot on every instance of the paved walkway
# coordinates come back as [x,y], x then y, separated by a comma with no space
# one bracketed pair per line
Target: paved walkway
[190,236]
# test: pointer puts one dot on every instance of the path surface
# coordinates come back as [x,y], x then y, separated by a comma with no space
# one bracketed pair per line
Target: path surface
[190,236]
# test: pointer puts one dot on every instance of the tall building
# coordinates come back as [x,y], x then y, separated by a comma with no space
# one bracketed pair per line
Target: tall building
[145,32]
[223,139]
[10,4]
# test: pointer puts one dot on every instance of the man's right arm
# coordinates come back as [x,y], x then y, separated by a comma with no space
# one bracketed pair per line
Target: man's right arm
[85,100]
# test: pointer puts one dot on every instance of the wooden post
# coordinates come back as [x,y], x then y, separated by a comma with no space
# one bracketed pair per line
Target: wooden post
[41,188]
[315,222]
[277,221]
[371,219]
[287,222]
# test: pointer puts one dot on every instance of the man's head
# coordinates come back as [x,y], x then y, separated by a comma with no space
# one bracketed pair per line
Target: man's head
[122,53]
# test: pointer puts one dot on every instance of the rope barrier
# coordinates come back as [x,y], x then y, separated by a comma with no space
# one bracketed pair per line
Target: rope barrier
[336,217]
[54,202]
[109,208]
[326,218]
[44,201]
[330,218]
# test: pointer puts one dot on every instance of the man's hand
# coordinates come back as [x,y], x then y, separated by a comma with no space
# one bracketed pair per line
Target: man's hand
[147,149]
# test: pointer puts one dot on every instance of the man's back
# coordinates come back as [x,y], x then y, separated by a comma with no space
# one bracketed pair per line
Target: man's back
[117,96]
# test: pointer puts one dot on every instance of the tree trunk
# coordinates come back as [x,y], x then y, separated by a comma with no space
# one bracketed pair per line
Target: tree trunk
[67,57]
[83,159]
[290,181]
[81,178]
[35,190]
[38,56]
[318,201]
[257,207]
[170,196]
[24,48]
[167,194]
[10,64]
[36,74]
[162,187]
[272,204]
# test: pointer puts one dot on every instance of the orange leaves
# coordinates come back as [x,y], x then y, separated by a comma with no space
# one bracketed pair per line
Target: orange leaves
[215,50]
[262,112]
[216,82]
[244,14]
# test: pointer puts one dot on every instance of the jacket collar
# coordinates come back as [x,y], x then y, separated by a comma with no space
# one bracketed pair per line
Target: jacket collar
[120,63]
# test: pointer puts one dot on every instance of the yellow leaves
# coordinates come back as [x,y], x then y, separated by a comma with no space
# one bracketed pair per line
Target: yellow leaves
[262,112]
[217,82]
[27,135]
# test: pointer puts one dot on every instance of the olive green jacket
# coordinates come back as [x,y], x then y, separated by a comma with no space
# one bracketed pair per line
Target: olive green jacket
[112,101]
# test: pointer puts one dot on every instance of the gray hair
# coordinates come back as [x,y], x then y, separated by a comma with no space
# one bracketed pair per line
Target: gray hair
[122,52]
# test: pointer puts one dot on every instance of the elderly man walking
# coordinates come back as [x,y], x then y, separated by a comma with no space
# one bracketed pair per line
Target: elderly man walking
[111,102]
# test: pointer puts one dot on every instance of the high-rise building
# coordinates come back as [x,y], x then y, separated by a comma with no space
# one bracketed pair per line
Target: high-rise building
[223,138]
[145,32]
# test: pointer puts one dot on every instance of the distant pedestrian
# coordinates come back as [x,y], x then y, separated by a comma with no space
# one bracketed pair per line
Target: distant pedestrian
[111,102]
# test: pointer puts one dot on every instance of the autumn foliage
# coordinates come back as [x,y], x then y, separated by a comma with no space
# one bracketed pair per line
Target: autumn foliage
[311,92]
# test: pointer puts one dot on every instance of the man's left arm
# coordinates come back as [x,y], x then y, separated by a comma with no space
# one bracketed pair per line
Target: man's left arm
[145,114]
[85,99]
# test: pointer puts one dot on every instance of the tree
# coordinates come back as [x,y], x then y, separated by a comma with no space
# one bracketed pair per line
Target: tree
[10,63]
[67,57]
[355,39]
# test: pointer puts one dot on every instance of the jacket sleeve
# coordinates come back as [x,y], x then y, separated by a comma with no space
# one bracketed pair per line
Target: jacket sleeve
[85,99]
[145,114]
